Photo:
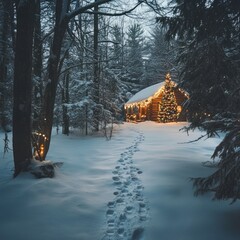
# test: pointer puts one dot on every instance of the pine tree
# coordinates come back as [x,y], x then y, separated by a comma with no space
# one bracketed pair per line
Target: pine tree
[168,104]
[162,57]
[209,34]
[134,57]
[116,53]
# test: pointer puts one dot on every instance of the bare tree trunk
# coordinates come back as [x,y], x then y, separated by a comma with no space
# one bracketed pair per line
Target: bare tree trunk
[3,60]
[53,69]
[6,8]
[65,100]
[62,20]
[37,66]
[96,79]
[22,149]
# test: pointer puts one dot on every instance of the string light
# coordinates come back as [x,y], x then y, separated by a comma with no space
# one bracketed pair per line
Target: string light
[168,105]
[39,144]
[42,150]
[41,135]
[168,109]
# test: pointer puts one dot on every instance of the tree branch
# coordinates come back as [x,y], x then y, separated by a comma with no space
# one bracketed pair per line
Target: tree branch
[85,8]
[114,14]
[195,140]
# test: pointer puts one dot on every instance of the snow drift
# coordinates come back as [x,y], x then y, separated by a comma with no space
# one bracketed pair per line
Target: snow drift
[135,186]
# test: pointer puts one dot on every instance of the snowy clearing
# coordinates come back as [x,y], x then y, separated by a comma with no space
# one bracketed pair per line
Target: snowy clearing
[133,187]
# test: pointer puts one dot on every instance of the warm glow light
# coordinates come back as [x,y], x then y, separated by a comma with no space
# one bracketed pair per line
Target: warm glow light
[179,108]
[168,109]
[39,145]
[41,150]
[168,106]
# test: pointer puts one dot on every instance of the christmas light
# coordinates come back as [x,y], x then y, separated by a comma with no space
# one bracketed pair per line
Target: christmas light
[42,150]
[168,108]
[39,140]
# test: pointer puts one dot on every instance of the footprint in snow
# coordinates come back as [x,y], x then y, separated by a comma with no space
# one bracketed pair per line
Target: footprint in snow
[127,212]
[138,234]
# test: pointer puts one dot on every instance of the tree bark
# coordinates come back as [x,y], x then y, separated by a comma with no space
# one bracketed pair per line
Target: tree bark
[37,66]
[65,100]
[49,95]
[22,89]
[96,116]
[6,37]
[62,20]
[3,60]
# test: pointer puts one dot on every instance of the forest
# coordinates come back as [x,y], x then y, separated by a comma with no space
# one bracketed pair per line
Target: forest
[73,64]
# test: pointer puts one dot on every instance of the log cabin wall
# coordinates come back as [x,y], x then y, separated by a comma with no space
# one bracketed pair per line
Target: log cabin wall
[180,97]
[155,107]
[149,110]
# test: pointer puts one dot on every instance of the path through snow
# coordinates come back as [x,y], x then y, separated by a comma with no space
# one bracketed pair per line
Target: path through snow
[134,187]
[127,213]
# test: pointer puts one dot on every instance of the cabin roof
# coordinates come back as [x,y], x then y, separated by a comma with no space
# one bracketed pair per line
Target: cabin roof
[146,93]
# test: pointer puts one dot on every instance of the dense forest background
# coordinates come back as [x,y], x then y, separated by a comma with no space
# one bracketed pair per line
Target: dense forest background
[73,63]
[104,60]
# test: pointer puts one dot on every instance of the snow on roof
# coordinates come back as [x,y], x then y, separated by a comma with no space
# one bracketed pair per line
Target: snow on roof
[146,93]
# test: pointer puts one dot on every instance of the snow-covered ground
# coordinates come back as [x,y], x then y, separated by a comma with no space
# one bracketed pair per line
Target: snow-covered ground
[135,186]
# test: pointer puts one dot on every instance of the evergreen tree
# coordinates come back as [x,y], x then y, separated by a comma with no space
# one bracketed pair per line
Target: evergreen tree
[162,57]
[168,104]
[134,57]
[209,35]
[117,49]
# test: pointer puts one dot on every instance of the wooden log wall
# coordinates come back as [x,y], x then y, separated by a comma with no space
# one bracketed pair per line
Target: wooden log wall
[180,97]
[155,107]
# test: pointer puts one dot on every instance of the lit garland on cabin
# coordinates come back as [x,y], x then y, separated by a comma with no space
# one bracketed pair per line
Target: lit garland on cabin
[168,107]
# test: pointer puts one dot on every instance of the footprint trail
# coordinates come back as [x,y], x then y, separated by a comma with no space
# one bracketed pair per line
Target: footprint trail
[127,213]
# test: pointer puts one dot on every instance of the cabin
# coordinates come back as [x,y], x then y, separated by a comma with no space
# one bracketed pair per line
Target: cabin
[161,102]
